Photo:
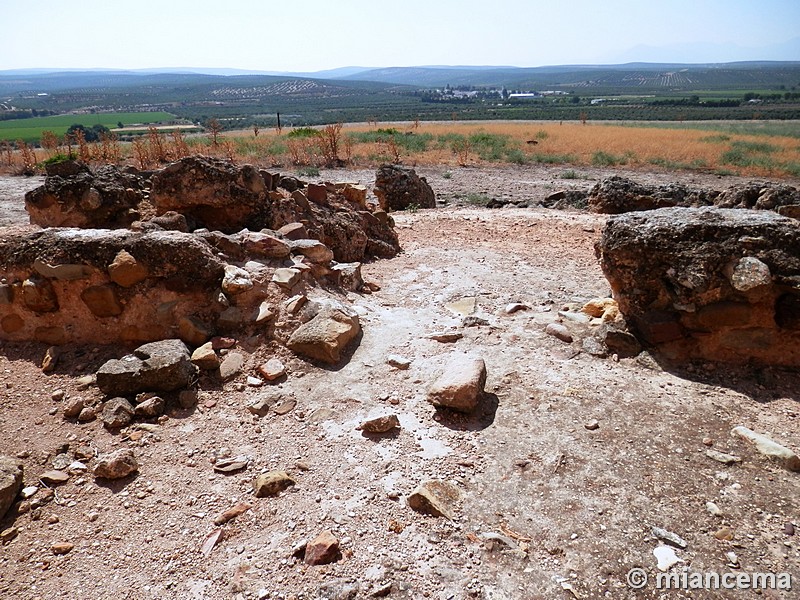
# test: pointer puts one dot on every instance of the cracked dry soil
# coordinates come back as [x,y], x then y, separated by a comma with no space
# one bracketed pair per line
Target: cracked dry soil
[549,508]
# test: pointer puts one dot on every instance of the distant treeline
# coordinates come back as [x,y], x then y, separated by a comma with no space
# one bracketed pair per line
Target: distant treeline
[8,115]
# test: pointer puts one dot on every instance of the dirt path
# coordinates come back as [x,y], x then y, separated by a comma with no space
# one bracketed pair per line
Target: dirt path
[576,505]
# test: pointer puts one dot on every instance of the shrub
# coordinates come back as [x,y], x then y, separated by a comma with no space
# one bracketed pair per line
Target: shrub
[569,175]
[303,132]
[447,175]
[477,199]
[489,146]
[308,172]
[554,159]
[606,159]
[516,156]
[713,139]
[758,147]
[57,158]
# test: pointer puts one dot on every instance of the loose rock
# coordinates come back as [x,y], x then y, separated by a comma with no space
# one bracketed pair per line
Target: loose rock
[398,362]
[231,365]
[154,367]
[721,457]
[62,548]
[116,465]
[325,336]
[117,413]
[557,330]
[322,550]
[380,424]
[272,369]
[54,477]
[272,483]
[205,358]
[460,387]
[781,454]
[10,482]
[435,497]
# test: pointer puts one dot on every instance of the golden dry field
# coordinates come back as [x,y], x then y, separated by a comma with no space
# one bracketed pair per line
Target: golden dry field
[570,143]
[453,143]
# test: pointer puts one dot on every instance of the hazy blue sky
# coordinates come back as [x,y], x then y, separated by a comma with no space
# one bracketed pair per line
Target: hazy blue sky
[308,35]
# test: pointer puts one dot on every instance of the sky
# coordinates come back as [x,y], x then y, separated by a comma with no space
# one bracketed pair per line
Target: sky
[311,35]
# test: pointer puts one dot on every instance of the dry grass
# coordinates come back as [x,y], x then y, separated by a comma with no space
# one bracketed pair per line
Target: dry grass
[483,143]
[568,143]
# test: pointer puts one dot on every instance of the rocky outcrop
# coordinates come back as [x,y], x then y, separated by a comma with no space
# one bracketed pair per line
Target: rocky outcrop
[398,187]
[212,193]
[74,196]
[198,192]
[760,196]
[708,283]
[616,195]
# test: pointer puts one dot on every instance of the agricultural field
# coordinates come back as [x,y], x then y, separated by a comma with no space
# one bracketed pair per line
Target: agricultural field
[682,93]
[30,130]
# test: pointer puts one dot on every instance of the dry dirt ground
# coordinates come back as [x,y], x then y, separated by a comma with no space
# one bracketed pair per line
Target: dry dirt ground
[548,509]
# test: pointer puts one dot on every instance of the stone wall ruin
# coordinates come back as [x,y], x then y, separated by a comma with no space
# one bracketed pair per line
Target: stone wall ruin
[198,249]
[708,283]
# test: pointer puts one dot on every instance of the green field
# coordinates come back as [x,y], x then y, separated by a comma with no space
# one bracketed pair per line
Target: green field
[30,130]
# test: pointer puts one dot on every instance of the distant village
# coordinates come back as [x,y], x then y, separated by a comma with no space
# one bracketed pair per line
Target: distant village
[466,93]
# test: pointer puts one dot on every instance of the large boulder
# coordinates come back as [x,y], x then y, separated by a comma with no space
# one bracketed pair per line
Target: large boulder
[708,283]
[10,482]
[213,193]
[162,366]
[75,196]
[398,187]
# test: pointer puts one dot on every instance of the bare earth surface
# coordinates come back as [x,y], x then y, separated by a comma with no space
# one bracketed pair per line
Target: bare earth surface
[548,509]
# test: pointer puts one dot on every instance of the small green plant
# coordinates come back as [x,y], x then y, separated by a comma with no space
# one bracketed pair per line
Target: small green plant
[57,158]
[697,163]
[542,135]
[569,175]
[516,156]
[750,154]
[489,146]
[447,175]
[554,159]
[477,199]
[792,169]
[715,139]
[758,147]
[303,132]
[308,171]
[606,159]
[413,207]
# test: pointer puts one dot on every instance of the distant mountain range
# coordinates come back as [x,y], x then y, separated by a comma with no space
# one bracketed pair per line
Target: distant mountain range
[638,74]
